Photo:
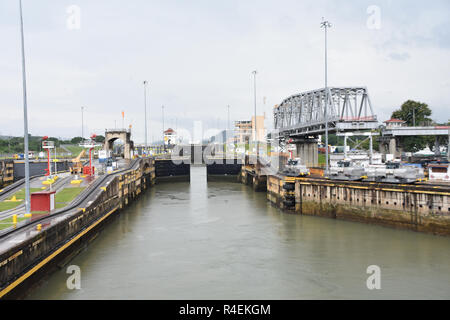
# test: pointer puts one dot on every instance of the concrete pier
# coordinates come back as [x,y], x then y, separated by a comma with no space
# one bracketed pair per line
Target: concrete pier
[307,150]
[414,207]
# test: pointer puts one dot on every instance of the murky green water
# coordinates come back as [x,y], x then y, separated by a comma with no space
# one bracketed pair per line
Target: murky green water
[223,241]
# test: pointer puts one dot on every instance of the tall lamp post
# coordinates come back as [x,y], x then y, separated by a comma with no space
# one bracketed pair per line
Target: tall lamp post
[254,91]
[145,114]
[325,24]
[25,118]
[82,124]
[164,144]
[228,117]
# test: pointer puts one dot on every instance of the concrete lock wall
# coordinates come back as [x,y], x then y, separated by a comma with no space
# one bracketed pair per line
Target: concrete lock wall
[38,168]
[25,261]
[6,172]
[426,212]
[400,207]
[168,170]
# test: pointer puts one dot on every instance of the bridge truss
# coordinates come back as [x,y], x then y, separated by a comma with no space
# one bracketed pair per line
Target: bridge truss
[303,115]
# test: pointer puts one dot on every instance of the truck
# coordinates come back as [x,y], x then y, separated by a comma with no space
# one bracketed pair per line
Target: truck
[295,168]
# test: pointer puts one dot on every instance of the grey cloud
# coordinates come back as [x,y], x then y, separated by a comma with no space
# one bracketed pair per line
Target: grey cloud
[400,56]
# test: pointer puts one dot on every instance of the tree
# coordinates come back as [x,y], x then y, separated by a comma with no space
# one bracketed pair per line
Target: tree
[100,139]
[76,140]
[414,113]
[333,140]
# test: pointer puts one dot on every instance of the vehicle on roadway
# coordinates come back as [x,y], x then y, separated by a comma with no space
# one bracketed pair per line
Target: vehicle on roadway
[346,170]
[295,168]
[391,172]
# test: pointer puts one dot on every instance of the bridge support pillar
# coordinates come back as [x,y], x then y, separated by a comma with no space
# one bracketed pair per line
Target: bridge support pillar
[393,148]
[308,151]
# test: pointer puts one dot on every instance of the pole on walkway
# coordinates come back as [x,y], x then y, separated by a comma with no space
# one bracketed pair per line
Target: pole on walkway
[25,118]
[228,117]
[345,147]
[256,129]
[371,148]
[82,124]
[164,145]
[325,24]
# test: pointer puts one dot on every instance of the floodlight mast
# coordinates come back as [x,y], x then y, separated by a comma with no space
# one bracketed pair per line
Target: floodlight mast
[326,24]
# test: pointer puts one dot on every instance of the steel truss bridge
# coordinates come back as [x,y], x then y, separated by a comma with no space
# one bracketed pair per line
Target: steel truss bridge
[303,115]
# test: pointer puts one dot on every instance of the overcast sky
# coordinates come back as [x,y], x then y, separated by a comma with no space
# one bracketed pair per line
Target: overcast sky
[198,57]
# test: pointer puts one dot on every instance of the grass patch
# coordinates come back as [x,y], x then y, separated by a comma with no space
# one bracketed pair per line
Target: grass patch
[8,205]
[66,196]
[321,159]
[37,213]
[75,150]
[7,223]
[20,195]
[60,205]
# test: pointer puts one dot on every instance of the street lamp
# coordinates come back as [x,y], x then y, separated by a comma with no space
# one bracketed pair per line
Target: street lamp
[162,108]
[254,90]
[228,117]
[25,118]
[82,124]
[145,114]
[325,24]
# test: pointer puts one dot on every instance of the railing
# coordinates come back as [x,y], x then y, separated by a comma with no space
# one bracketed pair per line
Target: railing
[355,119]
[118,130]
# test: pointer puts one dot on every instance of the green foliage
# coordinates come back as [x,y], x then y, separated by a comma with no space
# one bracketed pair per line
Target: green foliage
[417,113]
[100,139]
[8,222]
[333,140]
[411,110]
[416,143]
[321,159]
[67,195]
[16,144]
[352,142]
[76,140]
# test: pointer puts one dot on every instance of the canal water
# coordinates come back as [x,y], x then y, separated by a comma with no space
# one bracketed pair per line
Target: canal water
[221,240]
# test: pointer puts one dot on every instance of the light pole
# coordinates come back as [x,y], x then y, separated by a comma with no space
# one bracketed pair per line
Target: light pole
[325,24]
[25,118]
[228,117]
[82,124]
[254,90]
[145,114]
[162,108]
